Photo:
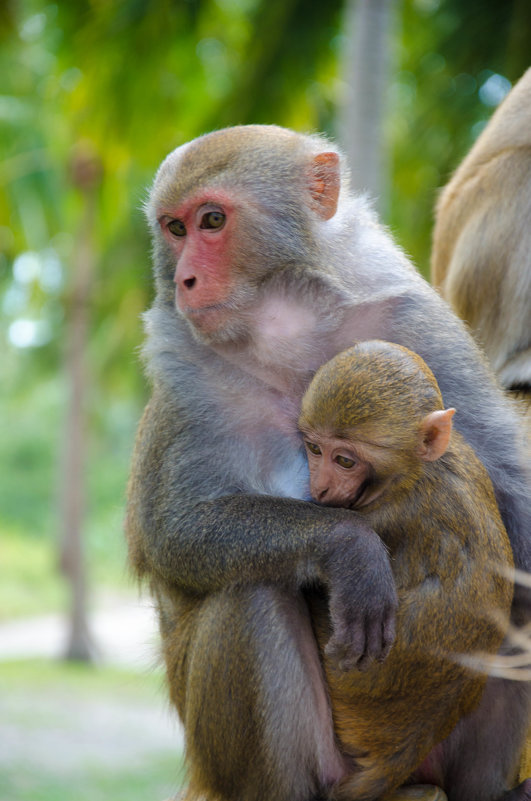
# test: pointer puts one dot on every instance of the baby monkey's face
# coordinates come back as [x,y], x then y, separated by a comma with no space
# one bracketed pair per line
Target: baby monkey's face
[340,472]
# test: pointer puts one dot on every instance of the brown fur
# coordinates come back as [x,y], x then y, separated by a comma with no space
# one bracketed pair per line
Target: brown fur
[481,257]
[446,540]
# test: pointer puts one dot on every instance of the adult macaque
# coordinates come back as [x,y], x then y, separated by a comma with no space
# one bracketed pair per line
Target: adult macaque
[265,268]
[482,240]
[379,441]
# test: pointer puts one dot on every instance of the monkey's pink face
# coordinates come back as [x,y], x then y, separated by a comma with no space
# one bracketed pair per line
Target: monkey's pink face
[199,233]
[338,475]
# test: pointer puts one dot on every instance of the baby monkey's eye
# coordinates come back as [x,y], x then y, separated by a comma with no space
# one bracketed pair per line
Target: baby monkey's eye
[344,461]
[212,219]
[313,448]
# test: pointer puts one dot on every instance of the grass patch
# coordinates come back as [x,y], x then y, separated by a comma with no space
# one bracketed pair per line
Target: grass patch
[134,784]
[79,733]
[42,675]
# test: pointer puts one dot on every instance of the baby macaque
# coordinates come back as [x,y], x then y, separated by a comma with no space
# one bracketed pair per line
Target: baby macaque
[380,442]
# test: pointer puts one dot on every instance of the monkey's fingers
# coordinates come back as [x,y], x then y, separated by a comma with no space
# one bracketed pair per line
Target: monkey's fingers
[356,644]
[380,635]
[348,642]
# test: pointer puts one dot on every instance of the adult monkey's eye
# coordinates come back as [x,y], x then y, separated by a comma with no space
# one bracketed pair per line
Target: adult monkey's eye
[177,228]
[313,448]
[212,219]
[344,461]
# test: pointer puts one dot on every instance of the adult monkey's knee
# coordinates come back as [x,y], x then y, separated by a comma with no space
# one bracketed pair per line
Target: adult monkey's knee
[252,672]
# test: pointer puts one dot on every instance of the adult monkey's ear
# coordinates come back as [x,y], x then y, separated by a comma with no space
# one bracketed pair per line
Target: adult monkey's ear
[434,435]
[324,184]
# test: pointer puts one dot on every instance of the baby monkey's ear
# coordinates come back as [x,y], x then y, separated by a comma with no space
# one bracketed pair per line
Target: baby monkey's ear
[434,434]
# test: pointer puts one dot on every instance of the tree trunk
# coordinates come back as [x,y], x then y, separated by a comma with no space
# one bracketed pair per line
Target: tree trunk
[366,67]
[86,173]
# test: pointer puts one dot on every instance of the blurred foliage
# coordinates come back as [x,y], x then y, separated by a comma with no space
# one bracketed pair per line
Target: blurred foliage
[28,580]
[130,80]
[455,61]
